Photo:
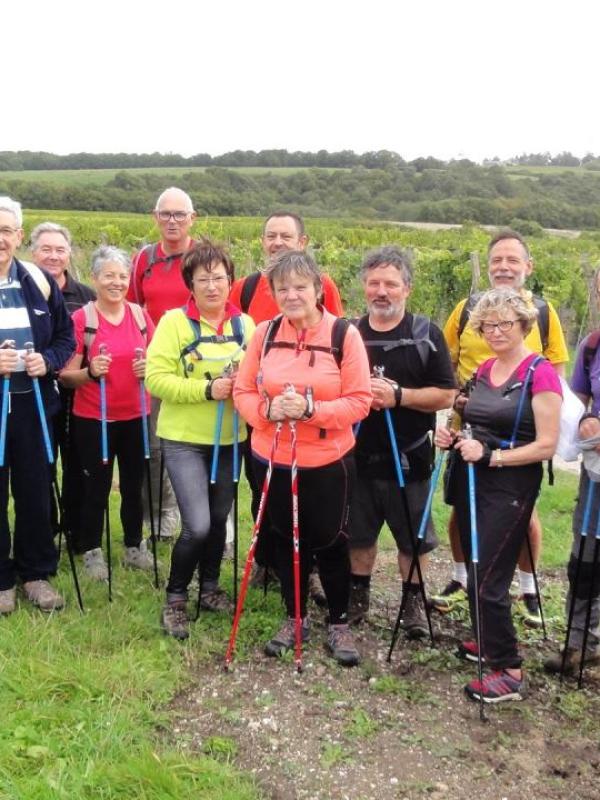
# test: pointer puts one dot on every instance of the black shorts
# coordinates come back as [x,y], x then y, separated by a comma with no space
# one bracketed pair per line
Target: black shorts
[378,501]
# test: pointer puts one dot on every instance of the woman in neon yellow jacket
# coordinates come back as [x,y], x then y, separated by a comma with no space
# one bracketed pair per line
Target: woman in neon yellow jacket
[191,368]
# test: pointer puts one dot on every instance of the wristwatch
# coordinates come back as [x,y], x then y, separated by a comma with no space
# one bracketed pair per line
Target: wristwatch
[397,392]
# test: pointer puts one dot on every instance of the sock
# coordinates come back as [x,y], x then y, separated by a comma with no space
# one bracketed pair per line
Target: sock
[360,580]
[459,572]
[526,582]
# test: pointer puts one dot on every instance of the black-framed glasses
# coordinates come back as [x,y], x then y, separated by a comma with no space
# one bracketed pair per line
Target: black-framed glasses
[178,216]
[505,325]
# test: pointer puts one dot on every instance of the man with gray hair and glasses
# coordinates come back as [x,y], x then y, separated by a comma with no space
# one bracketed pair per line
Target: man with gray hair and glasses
[157,285]
[31,310]
[51,247]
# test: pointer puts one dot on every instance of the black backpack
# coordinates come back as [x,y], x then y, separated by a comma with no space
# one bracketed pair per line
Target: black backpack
[541,305]
[336,348]
[420,338]
[249,290]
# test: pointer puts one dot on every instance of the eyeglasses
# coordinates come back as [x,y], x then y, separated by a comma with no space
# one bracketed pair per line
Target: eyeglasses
[218,280]
[504,325]
[178,216]
[6,231]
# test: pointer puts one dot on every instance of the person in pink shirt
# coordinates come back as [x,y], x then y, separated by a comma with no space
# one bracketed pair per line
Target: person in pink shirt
[112,355]
[296,380]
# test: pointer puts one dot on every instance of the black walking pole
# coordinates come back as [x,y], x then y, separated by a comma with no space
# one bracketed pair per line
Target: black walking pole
[537,586]
[582,539]
[378,371]
[161,482]
[68,541]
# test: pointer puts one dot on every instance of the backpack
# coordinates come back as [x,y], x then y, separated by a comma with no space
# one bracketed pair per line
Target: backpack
[91,323]
[153,258]
[249,290]
[336,348]
[38,277]
[541,305]
[237,335]
[420,332]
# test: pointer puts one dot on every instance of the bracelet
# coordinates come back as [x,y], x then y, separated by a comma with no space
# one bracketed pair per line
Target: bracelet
[498,461]
[92,377]
[208,391]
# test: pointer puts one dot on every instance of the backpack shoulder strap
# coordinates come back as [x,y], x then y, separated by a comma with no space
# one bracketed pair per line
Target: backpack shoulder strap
[524,392]
[39,278]
[140,319]
[338,335]
[421,328]
[237,327]
[91,325]
[270,335]
[543,320]
[466,311]
[249,290]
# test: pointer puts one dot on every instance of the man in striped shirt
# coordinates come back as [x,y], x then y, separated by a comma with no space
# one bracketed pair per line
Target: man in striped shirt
[31,311]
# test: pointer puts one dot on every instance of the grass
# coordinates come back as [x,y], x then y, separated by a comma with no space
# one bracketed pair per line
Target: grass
[87,698]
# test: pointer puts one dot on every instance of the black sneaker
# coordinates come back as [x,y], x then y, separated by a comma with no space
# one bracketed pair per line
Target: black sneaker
[358,605]
[285,638]
[414,620]
[453,594]
[529,608]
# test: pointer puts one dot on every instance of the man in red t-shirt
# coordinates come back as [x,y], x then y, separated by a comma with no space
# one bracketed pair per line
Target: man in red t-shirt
[283,230]
[157,285]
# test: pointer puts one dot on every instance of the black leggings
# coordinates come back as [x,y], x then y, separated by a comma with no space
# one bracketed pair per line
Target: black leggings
[504,499]
[126,444]
[324,495]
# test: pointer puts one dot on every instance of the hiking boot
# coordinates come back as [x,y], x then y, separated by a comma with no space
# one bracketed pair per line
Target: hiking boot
[496,687]
[414,620]
[340,642]
[358,605]
[449,597]
[8,600]
[529,608]
[467,651]
[174,619]
[285,638]
[95,565]
[43,595]
[553,665]
[170,521]
[315,589]
[215,600]
[257,577]
[138,557]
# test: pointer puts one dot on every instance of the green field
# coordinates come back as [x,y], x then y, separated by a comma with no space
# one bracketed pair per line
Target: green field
[100,177]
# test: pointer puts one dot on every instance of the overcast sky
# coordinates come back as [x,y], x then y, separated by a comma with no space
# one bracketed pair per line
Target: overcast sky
[449,79]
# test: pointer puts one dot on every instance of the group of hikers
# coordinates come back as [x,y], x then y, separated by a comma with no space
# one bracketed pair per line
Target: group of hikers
[170,364]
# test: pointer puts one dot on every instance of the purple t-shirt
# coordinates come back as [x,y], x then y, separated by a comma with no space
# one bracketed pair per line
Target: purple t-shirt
[589,385]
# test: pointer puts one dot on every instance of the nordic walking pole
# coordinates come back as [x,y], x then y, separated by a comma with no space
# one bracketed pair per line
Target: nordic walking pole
[104,450]
[29,349]
[236,486]
[139,354]
[218,427]
[250,559]
[474,564]
[591,595]
[296,544]
[537,586]
[161,483]
[441,460]
[587,510]
[6,345]
[68,541]
[378,372]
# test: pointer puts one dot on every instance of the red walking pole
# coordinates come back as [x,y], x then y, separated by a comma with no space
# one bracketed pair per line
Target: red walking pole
[296,544]
[250,559]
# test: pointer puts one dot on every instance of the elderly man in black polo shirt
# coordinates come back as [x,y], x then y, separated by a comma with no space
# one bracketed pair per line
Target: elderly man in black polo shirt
[415,381]
[51,250]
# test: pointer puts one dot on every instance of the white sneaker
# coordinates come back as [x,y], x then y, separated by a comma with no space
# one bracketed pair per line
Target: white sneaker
[95,565]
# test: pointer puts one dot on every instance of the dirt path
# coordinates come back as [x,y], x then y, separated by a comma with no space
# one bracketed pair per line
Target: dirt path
[403,730]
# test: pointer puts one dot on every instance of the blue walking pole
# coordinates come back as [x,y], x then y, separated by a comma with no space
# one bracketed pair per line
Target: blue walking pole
[585,524]
[378,372]
[103,414]
[217,441]
[29,348]
[591,595]
[474,564]
[441,460]
[7,344]
[139,354]
[236,480]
